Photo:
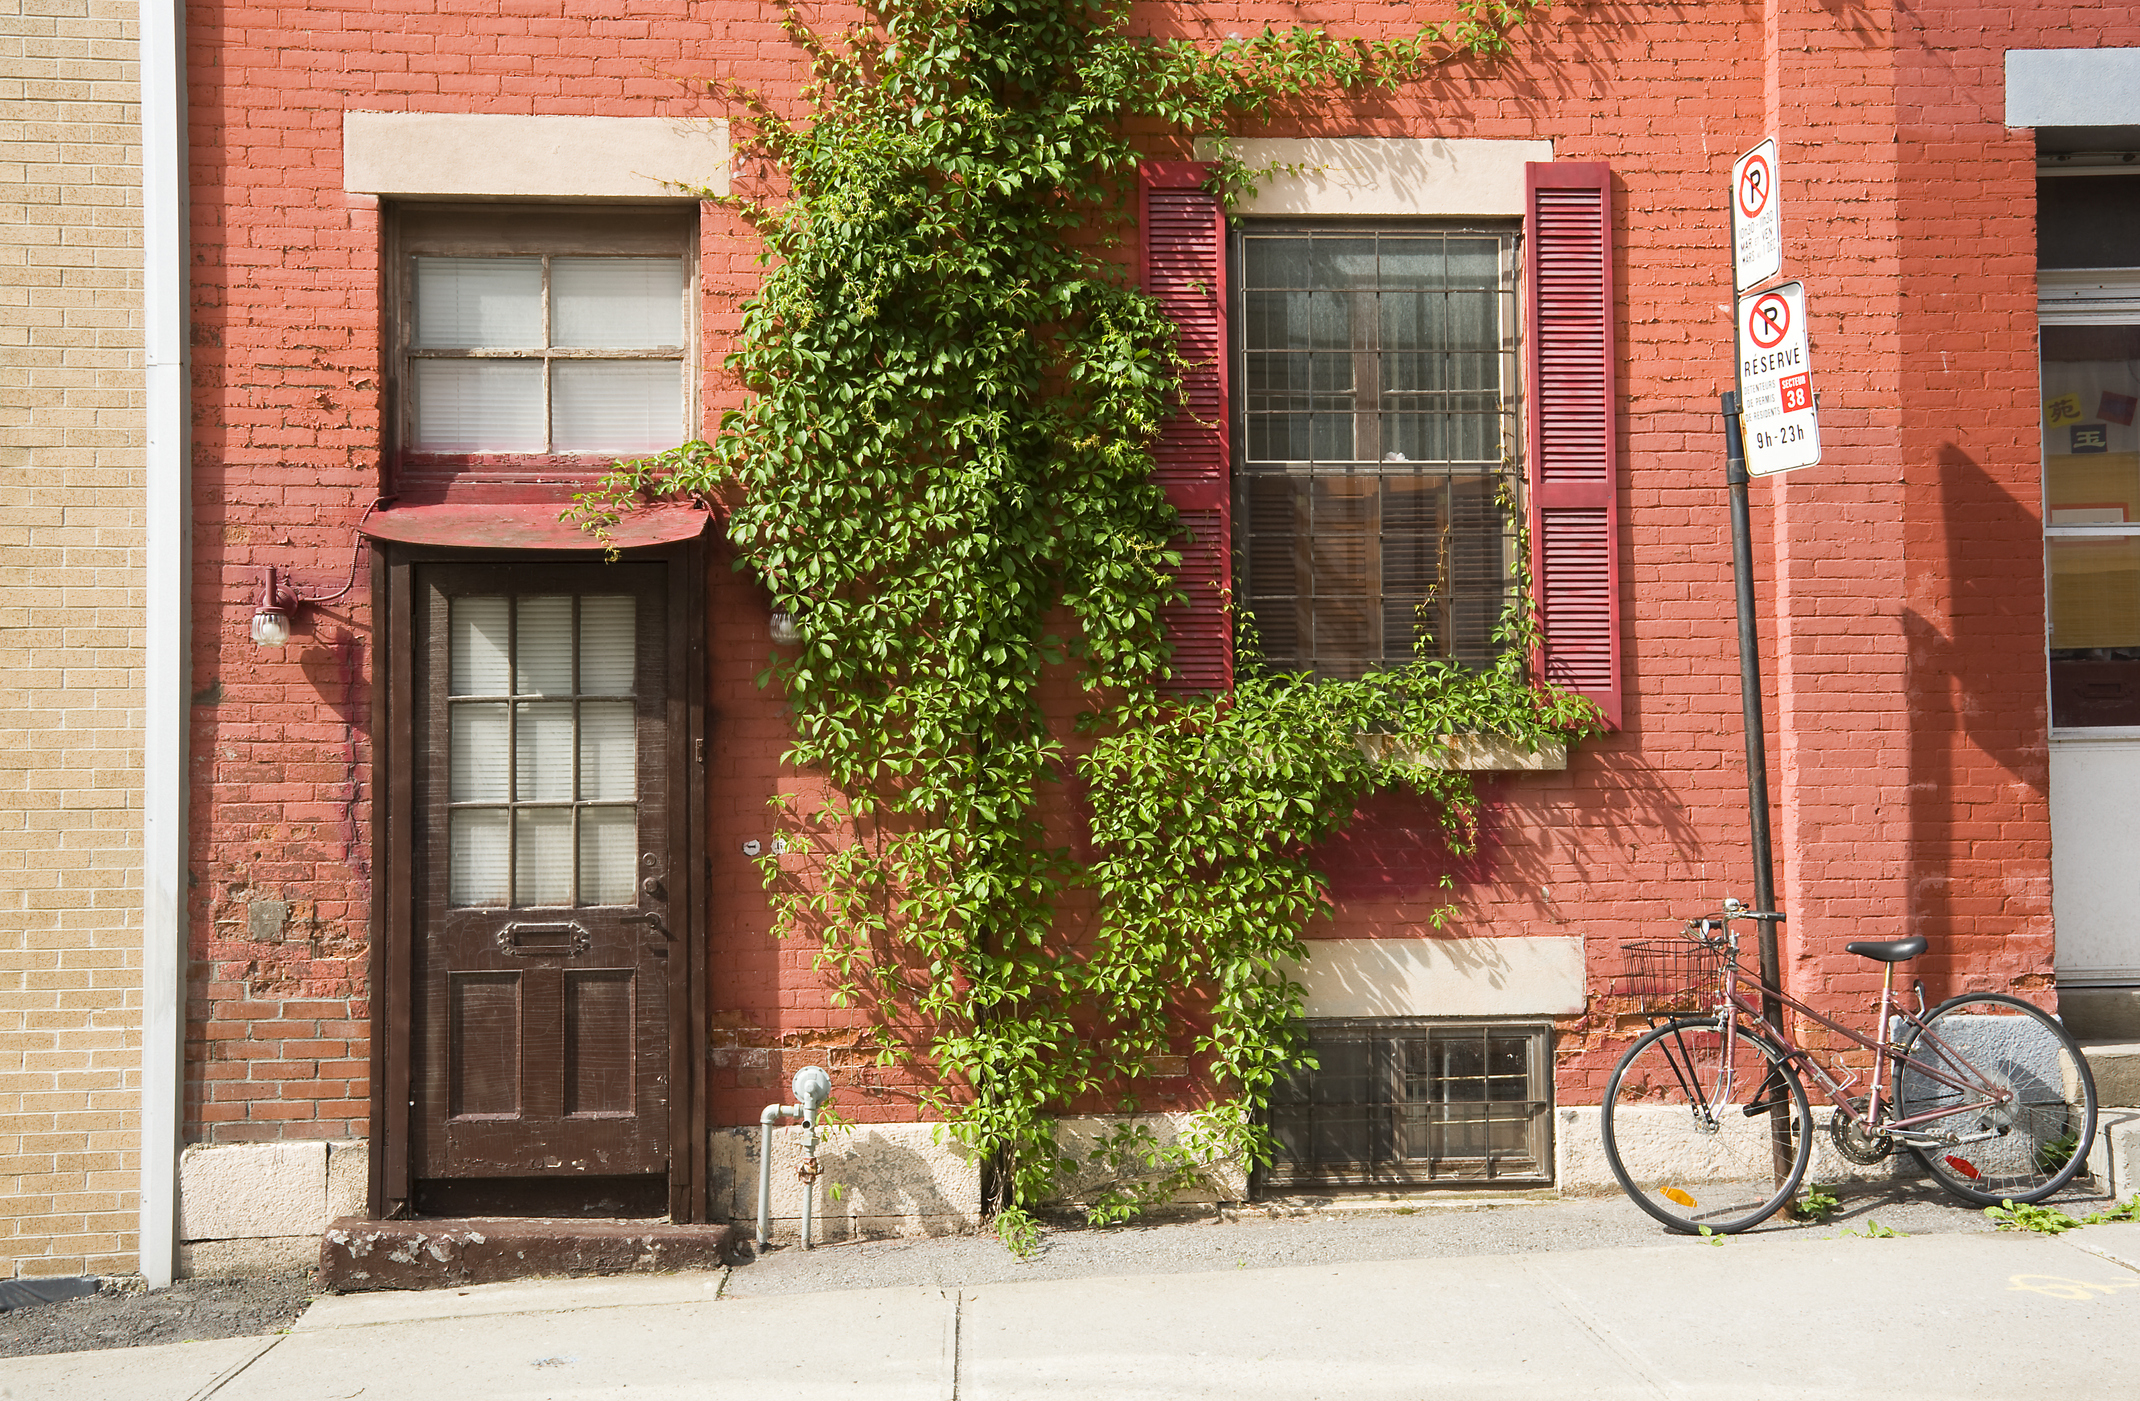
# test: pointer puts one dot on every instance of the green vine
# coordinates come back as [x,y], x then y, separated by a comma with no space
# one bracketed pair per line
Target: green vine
[944,474]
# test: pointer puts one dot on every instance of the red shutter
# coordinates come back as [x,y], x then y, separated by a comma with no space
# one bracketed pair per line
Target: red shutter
[1184,266]
[1574,454]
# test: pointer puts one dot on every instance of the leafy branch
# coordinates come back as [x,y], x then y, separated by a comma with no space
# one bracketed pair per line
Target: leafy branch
[943,472]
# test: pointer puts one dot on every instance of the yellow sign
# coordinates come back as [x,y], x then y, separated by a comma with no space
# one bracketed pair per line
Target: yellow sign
[2066,408]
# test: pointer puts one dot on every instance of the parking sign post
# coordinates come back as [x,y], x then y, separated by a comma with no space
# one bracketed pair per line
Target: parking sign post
[1770,425]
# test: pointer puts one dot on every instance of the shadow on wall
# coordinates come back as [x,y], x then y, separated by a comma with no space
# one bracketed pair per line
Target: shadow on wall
[878,1180]
[1975,679]
[1507,975]
[1610,816]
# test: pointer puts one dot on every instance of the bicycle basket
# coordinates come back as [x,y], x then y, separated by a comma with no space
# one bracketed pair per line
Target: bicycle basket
[1671,975]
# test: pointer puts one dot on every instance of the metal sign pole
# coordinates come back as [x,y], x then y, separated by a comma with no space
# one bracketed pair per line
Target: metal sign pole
[1742,568]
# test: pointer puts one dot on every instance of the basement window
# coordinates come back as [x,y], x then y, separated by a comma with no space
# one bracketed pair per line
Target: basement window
[1415,1102]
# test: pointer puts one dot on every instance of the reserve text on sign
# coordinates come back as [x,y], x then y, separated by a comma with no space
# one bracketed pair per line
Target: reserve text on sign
[1778,416]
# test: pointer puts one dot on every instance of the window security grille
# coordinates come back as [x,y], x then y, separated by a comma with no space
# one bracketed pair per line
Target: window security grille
[1410,1102]
[1377,396]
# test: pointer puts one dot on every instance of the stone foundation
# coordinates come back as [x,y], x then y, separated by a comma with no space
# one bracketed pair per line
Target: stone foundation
[259,1208]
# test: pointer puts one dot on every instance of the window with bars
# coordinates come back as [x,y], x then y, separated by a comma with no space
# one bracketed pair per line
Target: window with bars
[1377,401]
[543,750]
[1415,1102]
[530,343]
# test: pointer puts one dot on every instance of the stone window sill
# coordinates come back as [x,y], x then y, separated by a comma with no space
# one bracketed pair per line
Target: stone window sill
[1471,753]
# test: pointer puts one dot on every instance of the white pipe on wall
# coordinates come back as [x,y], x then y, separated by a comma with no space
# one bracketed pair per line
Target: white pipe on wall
[167,531]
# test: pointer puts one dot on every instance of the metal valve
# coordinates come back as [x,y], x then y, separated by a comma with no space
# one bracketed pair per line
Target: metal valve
[811,1087]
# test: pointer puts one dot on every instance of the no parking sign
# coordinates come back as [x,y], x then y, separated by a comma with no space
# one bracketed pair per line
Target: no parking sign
[1778,418]
[1756,218]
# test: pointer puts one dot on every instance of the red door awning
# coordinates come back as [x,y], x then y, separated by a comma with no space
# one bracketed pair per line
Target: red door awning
[530,527]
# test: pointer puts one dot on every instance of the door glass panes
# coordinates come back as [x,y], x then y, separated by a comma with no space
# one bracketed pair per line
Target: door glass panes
[548,354]
[1377,407]
[542,741]
[2091,457]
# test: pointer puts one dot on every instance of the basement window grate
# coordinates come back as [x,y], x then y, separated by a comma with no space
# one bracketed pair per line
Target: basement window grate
[1415,1102]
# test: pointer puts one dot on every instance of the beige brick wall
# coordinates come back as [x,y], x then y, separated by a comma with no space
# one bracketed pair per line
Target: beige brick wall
[70,635]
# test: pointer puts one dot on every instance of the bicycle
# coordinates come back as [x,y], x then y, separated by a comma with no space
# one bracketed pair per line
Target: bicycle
[1989,1093]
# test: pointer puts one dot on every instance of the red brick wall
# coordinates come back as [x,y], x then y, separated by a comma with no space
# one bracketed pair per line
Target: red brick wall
[1900,580]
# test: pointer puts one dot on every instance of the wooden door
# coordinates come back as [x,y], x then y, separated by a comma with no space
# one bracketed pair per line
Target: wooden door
[541,956]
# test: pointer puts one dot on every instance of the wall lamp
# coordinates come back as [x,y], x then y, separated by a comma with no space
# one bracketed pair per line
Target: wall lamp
[271,615]
[280,599]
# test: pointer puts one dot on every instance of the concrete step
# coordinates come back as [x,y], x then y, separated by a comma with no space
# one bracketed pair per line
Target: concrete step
[2116,1068]
[443,1252]
[2100,1014]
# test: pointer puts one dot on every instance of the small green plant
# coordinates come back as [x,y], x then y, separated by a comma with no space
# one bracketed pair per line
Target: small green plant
[1018,1230]
[2123,1211]
[2055,1154]
[1875,1231]
[2043,1220]
[1711,1236]
[1816,1204]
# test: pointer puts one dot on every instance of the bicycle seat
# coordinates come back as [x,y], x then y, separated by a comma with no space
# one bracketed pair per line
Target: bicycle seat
[1889,950]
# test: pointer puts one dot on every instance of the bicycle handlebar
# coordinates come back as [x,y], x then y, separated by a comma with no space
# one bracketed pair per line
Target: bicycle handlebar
[1734,910]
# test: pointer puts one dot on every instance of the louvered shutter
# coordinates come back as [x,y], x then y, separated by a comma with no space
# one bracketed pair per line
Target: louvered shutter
[1573,457]
[1184,266]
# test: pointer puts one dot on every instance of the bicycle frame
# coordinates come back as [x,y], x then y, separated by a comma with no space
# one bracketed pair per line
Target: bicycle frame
[1888,1054]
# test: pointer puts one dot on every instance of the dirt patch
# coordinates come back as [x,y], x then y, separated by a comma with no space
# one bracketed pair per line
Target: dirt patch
[123,1314]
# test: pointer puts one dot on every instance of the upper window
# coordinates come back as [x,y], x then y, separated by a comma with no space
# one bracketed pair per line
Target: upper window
[533,342]
[2089,301]
[2091,459]
[1377,431]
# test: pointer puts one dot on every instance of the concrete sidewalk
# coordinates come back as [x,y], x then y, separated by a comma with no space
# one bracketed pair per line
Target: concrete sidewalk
[1785,1316]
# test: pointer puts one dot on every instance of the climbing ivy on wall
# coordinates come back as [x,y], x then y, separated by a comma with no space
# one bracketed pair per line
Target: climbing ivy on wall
[943,473]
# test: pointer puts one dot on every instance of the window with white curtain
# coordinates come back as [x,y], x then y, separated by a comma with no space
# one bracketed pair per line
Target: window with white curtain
[545,333]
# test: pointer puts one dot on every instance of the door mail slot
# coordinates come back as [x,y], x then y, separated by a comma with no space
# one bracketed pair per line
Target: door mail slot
[526,939]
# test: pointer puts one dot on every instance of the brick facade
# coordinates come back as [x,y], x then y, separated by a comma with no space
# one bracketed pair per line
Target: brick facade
[1903,615]
[70,639]
[1906,704]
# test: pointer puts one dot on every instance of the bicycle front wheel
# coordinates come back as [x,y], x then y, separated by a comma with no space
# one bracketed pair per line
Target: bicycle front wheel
[1688,1130]
[2015,1101]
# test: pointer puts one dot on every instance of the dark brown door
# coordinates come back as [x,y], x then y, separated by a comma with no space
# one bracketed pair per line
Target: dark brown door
[543,829]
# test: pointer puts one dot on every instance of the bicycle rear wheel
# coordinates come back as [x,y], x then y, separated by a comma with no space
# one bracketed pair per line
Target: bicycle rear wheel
[2021,1105]
[1690,1139]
